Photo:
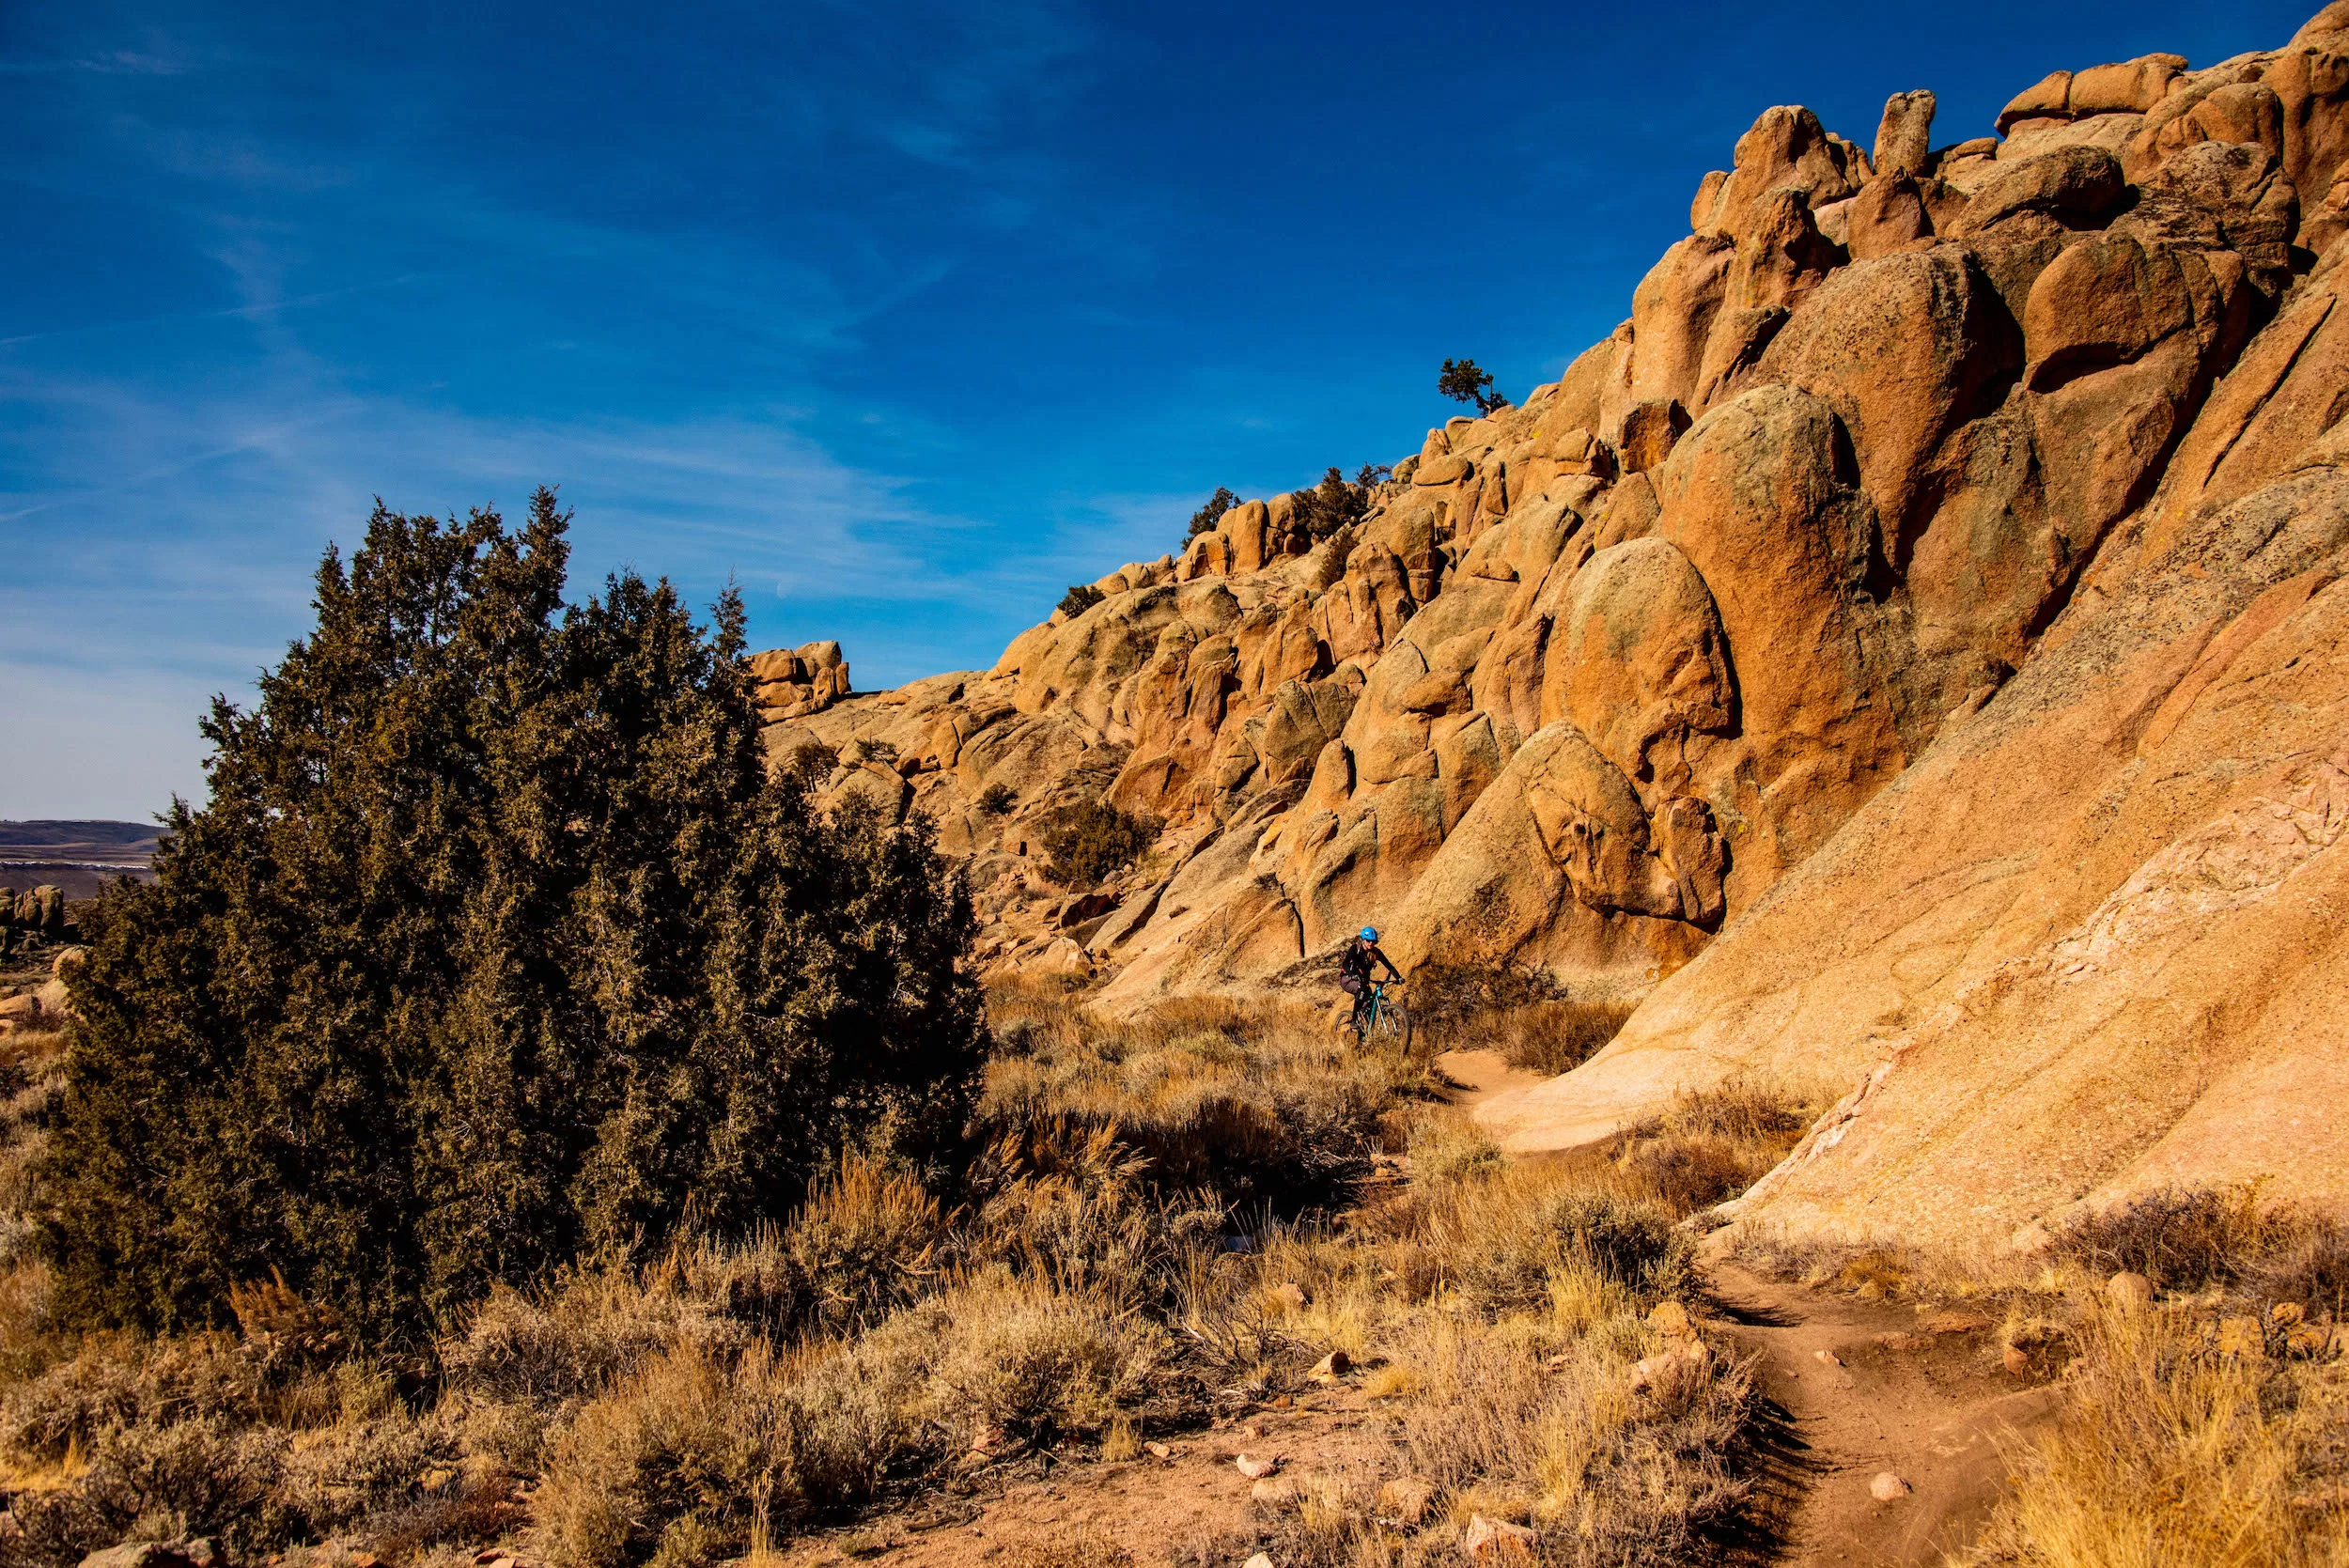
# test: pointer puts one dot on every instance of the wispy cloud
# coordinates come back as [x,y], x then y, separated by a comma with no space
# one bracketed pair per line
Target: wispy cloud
[120,62]
[377,280]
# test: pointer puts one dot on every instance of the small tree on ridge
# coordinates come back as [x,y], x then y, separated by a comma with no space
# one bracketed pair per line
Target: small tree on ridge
[1465,382]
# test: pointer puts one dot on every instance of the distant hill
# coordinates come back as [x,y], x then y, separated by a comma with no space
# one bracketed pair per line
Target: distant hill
[105,843]
[79,856]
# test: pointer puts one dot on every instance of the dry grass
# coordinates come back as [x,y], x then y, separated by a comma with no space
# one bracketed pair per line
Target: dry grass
[1505,1309]
[1165,1222]
[1549,1423]
[1265,1105]
[1446,1150]
[1712,1145]
[693,1458]
[2186,1440]
[1523,1014]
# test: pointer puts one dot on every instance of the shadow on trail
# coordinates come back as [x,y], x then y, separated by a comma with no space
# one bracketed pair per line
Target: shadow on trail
[1752,1315]
[1771,1457]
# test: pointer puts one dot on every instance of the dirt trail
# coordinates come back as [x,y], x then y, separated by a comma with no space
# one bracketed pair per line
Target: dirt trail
[1924,1395]
[1190,1505]
[1476,1076]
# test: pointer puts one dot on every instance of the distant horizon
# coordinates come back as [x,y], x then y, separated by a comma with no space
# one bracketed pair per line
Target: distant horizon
[903,318]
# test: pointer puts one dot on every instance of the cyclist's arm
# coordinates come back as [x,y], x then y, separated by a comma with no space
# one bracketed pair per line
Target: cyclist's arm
[1393,974]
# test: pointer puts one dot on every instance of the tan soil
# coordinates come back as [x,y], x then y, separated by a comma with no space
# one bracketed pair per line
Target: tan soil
[1161,1511]
[1474,1077]
[1932,1408]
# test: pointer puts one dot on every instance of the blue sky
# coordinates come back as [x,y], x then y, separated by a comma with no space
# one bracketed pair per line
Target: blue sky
[902,315]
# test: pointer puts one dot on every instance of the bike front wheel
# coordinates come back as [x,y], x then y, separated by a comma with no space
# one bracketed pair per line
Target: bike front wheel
[1393,1026]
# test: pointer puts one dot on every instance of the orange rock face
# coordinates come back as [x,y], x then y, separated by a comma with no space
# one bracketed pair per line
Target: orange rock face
[1907,653]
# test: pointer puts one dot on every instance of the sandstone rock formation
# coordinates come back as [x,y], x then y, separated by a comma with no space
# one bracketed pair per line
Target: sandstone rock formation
[1905,652]
[41,910]
[47,1006]
[795,682]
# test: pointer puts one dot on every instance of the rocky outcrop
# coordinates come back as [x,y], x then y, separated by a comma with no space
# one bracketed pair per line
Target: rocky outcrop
[41,910]
[795,682]
[47,1006]
[1902,652]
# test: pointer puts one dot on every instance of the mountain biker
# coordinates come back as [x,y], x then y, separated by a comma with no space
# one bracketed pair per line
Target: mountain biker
[1354,972]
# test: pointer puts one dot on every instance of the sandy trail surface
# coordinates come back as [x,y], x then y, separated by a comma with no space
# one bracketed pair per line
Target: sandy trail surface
[1853,1391]
[1473,1077]
[1189,1504]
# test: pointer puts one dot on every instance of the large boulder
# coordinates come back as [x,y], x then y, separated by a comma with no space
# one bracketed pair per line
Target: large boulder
[2309,78]
[1760,498]
[1638,660]
[1557,864]
[2286,390]
[1888,214]
[2074,185]
[1905,134]
[1786,147]
[792,683]
[1904,349]
[2082,949]
[1672,316]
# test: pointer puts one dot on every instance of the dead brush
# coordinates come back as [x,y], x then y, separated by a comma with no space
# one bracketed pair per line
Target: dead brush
[282,1327]
[1712,1144]
[680,1462]
[1498,1241]
[1882,1268]
[2181,1238]
[1556,1036]
[1243,1349]
[1260,1103]
[1072,1206]
[1024,1361]
[119,1381]
[597,1322]
[867,1241]
[463,1508]
[2181,1445]
[1447,1147]
[1525,1422]
[1522,1012]
[2308,1263]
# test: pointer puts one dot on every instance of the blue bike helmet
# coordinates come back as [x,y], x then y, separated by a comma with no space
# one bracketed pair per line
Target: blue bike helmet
[1370,933]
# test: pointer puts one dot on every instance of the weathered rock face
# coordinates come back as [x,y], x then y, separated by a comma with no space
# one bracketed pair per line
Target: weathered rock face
[1907,650]
[41,910]
[795,682]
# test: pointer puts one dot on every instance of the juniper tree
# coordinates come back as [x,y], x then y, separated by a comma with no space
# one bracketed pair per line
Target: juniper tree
[1466,381]
[494,943]
[1212,513]
[1323,509]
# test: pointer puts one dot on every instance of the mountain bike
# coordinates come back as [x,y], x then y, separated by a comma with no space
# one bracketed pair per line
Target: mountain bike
[1382,1021]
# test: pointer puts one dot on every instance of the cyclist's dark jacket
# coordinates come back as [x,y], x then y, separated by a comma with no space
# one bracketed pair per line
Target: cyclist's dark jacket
[1354,963]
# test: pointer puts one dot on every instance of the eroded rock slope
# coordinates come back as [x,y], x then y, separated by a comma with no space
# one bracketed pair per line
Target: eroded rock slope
[1907,651]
